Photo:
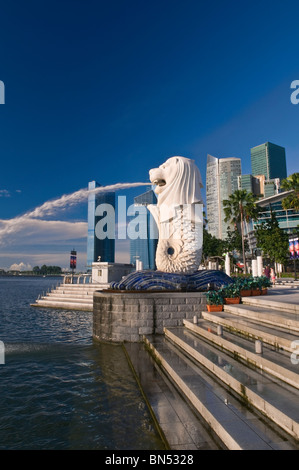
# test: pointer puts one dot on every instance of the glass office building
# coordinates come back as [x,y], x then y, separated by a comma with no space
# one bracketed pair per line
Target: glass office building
[250,183]
[288,220]
[212,196]
[221,182]
[269,160]
[105,249]
[144,248]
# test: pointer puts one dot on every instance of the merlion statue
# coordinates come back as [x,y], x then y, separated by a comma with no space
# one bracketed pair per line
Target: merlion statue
[178,215]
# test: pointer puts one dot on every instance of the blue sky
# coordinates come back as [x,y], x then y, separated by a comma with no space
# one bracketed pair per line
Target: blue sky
[98,90]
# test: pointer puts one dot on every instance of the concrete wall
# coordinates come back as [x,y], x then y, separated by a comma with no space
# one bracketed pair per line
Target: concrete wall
[119,317]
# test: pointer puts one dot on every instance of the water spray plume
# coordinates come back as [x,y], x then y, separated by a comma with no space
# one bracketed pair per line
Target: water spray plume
[50,207]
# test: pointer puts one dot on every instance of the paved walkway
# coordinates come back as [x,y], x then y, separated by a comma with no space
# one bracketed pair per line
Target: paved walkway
[283,294]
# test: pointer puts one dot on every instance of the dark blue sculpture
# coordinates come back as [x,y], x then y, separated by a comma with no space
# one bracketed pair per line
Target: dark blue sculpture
[161,281]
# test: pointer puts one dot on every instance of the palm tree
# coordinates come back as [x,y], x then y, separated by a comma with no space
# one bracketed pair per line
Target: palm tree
[291,183]
[238,208]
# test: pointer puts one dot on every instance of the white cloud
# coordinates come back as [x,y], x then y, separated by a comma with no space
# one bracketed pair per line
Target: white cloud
[20,267]
[37,242]
[36,231]
[48,242]
[4,193]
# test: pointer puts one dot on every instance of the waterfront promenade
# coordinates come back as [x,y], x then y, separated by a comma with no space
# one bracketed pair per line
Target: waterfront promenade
[207,386]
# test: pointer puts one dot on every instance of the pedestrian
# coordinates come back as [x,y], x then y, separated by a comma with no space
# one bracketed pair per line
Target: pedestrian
[272,275]
[267,271]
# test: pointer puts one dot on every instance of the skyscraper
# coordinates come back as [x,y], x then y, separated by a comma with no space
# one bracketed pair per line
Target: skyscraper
[251,184]
[212,193]
[221,181]
[144,249]
[105,249]
[269,160]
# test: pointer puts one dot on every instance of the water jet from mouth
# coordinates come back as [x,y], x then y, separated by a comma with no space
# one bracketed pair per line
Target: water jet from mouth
[50,207]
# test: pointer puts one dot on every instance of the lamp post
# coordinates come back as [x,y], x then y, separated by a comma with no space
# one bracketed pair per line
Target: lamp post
[73,262]
[296,246]
[294,251]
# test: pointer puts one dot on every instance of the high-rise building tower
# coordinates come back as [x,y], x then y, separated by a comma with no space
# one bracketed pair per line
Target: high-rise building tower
[144,248]
[269,160]
[221,182]
[105,249]
[212,195]
[251,184]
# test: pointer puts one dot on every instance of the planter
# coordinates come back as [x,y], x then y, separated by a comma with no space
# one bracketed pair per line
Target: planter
[214,308]
[255,292]
[264,291]
[232,300]
[245,292]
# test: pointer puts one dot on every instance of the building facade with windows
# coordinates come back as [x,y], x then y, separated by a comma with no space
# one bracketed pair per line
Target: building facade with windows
[98,249]
[269,160]
[251,184]
[221,181]
[144,248]
[288,219]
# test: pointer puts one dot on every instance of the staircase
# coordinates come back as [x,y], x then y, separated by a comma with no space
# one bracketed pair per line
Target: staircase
[70,297]
[235,369]
[288,283]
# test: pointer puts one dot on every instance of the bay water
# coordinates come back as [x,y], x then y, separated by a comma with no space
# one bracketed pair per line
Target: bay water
[60,389]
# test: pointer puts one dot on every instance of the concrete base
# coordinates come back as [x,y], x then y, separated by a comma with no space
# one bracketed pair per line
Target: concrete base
[127,316]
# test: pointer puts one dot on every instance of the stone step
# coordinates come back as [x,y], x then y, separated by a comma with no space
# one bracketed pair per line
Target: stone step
[78,290]
[274,336]
[287,281]
[61,294]
[288,286]
[63,305]
[236,425]
[271,361]
[65,298]
[80,286]
[70,297]
[269,301]
[265,315]
[272,397]
[179,426]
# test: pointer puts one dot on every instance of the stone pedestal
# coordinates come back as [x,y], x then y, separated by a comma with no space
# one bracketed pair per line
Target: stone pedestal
[127,316]
[260,269]
[254,268]
[104,272]
[227,264]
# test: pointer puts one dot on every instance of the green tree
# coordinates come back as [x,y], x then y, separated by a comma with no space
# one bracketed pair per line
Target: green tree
[50,270]
[291,183]
[273,241]
[211,246]
[43,269]
[239,207]
[233,242]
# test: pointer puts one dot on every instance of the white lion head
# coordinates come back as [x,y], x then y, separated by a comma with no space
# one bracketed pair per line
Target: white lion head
[178,181]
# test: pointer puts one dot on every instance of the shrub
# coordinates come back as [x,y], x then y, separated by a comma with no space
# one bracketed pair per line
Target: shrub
[230,291]
[214,297]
